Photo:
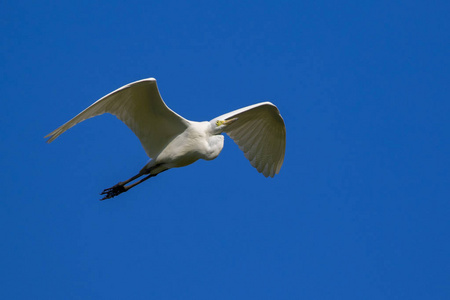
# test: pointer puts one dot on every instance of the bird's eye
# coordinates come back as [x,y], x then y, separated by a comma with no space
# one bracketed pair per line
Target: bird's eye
[218,123]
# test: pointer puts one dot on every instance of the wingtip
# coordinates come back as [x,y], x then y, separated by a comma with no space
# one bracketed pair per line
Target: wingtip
[147,80]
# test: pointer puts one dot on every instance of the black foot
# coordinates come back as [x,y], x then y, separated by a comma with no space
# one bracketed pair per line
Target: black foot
[113,191]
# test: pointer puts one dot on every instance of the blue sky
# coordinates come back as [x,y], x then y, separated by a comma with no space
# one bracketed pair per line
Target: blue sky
[360,209]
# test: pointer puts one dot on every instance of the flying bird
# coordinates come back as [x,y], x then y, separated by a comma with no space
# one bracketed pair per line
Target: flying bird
[172,141]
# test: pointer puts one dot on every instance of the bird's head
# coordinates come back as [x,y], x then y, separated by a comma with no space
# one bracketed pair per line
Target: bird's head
[219,125]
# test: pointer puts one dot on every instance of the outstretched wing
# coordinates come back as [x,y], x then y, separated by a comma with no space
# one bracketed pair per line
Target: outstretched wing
[140,107]
[260,132]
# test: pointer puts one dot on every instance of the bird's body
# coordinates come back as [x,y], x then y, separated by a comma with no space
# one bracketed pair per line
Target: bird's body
[196,142]
[171,141]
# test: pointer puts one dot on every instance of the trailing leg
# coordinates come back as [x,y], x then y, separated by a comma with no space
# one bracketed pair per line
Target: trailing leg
[121,187]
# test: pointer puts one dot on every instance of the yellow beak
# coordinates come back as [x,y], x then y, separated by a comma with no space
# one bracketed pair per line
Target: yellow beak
[228,122]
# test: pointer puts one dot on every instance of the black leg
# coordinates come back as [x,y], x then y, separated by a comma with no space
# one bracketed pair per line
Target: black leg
[121,186]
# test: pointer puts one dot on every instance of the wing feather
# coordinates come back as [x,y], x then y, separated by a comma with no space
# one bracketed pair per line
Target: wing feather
[250,135]
[260,133]
[140,106]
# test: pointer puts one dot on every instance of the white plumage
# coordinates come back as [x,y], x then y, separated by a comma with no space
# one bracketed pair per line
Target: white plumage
[172,141]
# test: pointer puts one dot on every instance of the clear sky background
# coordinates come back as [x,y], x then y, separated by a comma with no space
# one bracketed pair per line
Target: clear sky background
[360,209]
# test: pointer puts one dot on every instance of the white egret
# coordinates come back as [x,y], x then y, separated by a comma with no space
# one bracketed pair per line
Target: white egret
[171,141]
